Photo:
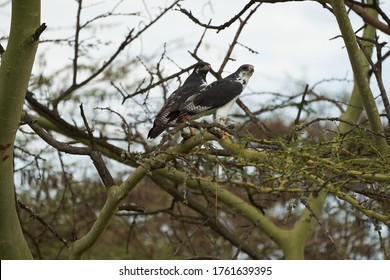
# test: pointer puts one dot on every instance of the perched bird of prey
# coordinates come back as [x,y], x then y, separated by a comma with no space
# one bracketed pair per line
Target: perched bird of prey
[194,83]
[217,98]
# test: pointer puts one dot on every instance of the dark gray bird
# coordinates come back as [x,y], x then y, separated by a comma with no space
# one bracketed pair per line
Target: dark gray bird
[192,85]
[217,98]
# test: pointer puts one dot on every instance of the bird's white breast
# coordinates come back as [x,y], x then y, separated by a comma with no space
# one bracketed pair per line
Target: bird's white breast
[222,112]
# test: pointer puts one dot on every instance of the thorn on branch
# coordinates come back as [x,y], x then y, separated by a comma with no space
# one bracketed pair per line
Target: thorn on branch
[38,32]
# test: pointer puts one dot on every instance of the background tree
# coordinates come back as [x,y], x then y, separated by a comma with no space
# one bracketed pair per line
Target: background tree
[314,188]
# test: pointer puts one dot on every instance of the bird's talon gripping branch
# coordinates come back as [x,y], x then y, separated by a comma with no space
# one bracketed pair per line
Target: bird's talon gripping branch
[186,136]
[225,134]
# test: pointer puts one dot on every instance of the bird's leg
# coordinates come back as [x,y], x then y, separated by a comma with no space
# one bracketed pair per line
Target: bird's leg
[192,132]
[183,119]
[186,135]
[225,134]
[221,120]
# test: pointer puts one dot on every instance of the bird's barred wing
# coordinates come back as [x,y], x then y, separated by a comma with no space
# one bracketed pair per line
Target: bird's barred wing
[212,97]
[163,119]
[192,85]
[218,95]
[175,101]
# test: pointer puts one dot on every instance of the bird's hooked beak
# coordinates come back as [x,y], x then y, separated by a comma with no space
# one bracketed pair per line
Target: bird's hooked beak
[206,67]
[249,71]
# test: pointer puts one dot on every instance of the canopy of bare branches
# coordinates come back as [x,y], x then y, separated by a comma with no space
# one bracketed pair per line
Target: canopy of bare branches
[303,175]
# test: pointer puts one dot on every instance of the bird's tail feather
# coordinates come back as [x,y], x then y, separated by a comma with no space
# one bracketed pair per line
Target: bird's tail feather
[156,131]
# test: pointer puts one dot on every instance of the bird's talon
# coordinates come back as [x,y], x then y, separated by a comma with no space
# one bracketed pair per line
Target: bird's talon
[226,135]
[188,135]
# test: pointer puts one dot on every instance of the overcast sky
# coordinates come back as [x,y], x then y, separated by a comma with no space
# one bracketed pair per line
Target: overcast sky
[292,39]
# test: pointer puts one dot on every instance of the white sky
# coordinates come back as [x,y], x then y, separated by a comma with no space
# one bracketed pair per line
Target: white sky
[293,40]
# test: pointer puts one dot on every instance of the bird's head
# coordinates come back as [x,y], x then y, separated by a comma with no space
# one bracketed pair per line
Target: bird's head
[247,69]
[202,67]
[245,72]
[199,74]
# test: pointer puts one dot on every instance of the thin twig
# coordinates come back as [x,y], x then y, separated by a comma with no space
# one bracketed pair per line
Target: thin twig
[128,39]
[217,27]
[35,215]
[96,157]
[301,105]
[304,202]
[159,82]
[235,39]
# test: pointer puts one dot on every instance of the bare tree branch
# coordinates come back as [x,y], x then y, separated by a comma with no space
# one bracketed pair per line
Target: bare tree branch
[128,39]
[44,223]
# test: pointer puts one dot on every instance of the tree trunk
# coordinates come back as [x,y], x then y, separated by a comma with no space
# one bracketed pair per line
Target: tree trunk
[15,72]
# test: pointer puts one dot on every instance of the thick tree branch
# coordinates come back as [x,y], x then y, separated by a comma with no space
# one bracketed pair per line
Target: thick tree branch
[52,121]
[95,156]
[117,193]
[360,74]
[367,17]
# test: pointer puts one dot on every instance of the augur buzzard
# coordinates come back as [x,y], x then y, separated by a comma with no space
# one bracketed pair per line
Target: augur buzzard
[194,83]
[217,98]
